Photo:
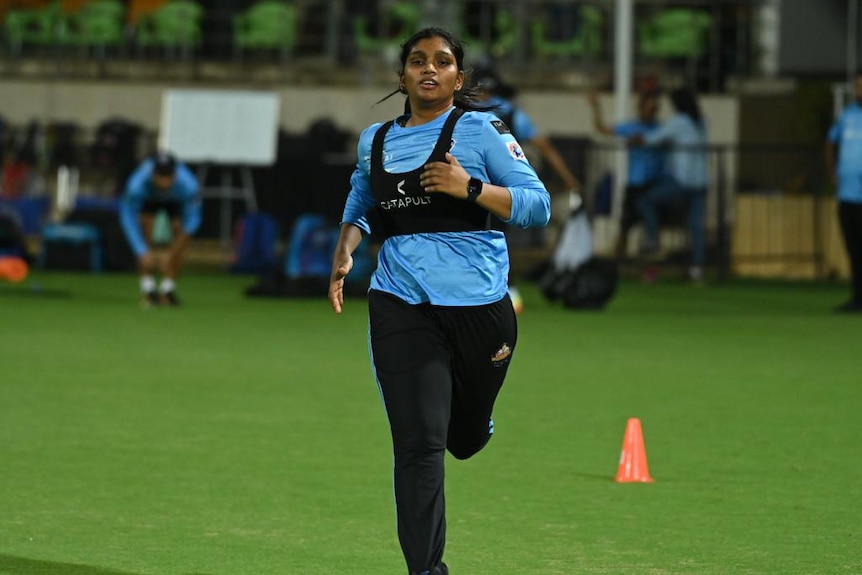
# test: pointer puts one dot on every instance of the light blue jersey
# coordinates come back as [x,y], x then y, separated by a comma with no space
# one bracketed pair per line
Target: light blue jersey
[687,162]
[139,189]
[847,134]
[449,268]
[646,165]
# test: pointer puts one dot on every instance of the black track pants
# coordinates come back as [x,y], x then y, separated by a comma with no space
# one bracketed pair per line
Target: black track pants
[439,371]
[850,216]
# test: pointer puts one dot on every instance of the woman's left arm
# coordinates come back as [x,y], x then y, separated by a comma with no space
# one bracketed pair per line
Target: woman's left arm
[508,167]
[511,190]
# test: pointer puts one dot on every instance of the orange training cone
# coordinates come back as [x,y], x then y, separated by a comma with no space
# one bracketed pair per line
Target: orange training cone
[633,463]
[13,269]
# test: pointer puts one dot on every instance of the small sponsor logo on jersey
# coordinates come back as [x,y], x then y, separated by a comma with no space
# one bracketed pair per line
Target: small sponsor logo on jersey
[405,202]
[387,157]
[501,127]
[501,355]
[400,187]
[516,151]
[452,144]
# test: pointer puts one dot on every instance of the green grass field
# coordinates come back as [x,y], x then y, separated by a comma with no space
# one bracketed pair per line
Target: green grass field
[243,436]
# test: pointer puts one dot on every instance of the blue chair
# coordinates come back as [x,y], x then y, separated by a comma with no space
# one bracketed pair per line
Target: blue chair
[77,235]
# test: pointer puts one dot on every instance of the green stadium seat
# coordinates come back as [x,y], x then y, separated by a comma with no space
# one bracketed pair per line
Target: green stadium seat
[268,25]
[32,27]
[674,33]
[174,26]
[98,23]
[400,20]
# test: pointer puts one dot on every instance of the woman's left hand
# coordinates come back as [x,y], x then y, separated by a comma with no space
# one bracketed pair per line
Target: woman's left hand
[447,177]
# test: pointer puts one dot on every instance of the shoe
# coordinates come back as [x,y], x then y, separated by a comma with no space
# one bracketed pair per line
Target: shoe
[170,298]
[149,299]
[695,275]
[849,307]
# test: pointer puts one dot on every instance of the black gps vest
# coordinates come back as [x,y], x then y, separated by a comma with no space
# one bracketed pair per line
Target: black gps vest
[402,205]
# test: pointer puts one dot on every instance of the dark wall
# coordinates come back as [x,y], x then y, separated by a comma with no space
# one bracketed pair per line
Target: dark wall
[311,174]
[813,37]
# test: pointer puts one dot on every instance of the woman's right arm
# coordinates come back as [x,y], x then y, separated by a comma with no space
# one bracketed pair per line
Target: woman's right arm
[598,120]
[342,262]
[353,222]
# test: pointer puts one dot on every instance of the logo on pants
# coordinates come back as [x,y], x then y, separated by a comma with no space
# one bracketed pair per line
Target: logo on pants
[502,355]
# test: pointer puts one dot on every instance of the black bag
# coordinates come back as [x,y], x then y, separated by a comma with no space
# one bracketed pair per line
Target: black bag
[574,275]
[591,286]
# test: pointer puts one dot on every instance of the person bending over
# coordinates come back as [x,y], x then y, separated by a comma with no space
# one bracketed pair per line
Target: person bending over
[160,183]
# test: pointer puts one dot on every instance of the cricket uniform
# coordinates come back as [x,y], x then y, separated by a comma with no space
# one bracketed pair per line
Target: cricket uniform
[847,134]
[140,196]
[442,329]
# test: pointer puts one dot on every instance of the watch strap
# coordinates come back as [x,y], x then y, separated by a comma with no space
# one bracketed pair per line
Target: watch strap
[474,188]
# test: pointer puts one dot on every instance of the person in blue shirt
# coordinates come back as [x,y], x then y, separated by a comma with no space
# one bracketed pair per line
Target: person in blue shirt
[442,329]
[160,183]
[684,136]
[498,96]
[844,165]
[645,165]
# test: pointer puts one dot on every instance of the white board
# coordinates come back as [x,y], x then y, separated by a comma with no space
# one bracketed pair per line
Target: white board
[220,126]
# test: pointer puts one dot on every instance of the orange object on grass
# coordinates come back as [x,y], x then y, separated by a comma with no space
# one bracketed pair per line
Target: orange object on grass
[13,269]
[633,461]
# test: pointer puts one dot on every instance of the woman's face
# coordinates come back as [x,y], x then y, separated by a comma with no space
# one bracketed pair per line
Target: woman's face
[431,75]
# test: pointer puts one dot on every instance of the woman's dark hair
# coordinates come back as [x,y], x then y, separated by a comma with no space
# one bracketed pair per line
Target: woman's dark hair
[465,97]
[684,102]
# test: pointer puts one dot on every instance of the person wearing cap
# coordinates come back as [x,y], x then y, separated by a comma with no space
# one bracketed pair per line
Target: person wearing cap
[496,96]
[160,183]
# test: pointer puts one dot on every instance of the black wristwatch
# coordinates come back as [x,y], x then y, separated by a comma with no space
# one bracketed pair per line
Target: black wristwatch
[474,188]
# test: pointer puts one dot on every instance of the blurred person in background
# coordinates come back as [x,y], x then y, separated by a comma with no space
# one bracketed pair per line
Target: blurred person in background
[684,136]
[442,329]
[844,165]
[497,97]
[645,165]
[160,183]
[493,93]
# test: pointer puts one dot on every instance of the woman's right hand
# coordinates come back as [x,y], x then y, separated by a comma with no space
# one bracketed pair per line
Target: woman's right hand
[341,266]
